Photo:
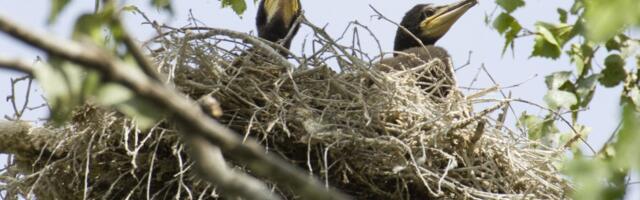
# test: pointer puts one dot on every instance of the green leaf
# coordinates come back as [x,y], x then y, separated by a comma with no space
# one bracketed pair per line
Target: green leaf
[91,83]
[591,177]
[539,129]
[90,26]
[238,6]
[557,99]
[130,8]
[550,38]
[562,15]
[607,18]
[503,22]
[581,56]
[113,94]
[634,96]
[628,143]
[581,130]
[163,4]
[533,124]
[586,88]
[62,83]
[56,8]
[509,26]
[614,73]
[542,48]
[144,113]
[510,5]
[576,7]
[557,79]
[616,43]
[511,35]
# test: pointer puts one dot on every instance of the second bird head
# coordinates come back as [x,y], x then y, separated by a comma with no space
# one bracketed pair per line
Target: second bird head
[428,23]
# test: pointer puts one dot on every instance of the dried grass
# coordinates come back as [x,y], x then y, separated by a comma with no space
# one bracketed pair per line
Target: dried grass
[371,134]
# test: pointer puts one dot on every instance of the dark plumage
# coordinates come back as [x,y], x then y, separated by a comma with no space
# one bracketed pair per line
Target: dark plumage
[435,78]
[276,18]
[411,21]
[426,23]
[413,57]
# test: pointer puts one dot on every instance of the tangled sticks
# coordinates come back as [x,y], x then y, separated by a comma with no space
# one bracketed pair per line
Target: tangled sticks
[368,133]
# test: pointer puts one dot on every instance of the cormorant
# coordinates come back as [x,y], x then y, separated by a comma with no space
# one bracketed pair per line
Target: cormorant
[276,18]
[426,23]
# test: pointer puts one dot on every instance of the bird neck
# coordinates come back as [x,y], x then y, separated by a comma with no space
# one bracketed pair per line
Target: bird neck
[406,41]
[286,9]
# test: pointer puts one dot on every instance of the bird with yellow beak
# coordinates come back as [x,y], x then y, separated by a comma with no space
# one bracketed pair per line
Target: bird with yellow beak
[276,18]
[428,23]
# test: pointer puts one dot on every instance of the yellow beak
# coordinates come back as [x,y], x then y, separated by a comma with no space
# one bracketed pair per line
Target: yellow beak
[437,25]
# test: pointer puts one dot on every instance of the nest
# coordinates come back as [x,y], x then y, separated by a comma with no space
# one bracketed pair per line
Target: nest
[370,134]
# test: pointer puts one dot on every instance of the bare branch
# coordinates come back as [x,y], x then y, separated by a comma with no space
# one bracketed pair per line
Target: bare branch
[20,138]
[213,166]
[138,54]
[19,65]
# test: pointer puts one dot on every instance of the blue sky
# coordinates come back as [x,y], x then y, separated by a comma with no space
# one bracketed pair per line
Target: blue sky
[469,34]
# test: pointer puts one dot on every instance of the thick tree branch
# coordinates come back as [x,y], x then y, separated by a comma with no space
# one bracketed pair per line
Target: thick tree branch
[20,138]
[184,111]
[137,52]
[214,168]
[19,65]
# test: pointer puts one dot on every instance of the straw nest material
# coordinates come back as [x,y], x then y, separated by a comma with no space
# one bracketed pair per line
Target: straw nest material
[370,134]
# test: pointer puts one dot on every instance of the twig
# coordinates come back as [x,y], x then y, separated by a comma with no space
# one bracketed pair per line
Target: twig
[465,64]
[576,136]
[183,110]
[404,29]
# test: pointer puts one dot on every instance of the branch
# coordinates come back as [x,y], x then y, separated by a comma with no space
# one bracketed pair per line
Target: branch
[214,168]
[20,138]
[19,65]
[137,52]
[260,44]
[184,111]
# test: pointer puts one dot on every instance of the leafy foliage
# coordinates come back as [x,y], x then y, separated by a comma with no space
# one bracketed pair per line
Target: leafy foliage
[510,5]
[599,30]
[56,7]
[78,84]
[508,26]
[614,72]
[238,6]
[607,18]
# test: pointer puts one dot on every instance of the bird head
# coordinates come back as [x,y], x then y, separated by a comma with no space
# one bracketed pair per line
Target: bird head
[429,22]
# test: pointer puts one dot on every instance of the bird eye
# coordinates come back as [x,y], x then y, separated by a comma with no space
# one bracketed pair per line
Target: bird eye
[427,10]
[426,13]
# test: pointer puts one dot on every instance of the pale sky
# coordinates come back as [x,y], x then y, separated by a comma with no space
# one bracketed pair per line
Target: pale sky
[469,34]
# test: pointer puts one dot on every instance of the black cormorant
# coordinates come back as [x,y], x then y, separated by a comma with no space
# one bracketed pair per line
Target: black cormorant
[426,23]
[276,18]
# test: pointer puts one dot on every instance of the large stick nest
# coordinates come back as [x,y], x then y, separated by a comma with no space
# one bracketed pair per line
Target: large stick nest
[370,134]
